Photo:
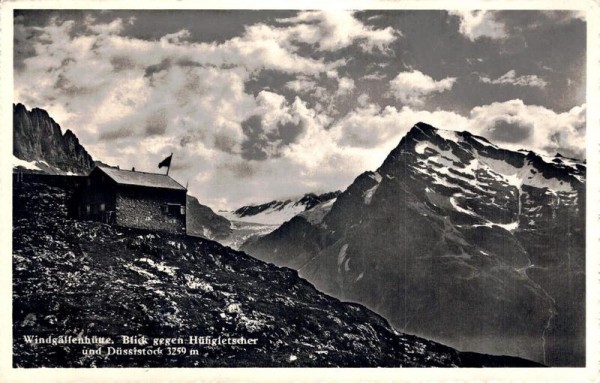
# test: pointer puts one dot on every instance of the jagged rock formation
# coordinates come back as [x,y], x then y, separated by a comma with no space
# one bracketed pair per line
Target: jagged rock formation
[458,240]
[81,279]
[38,138]
[203,222]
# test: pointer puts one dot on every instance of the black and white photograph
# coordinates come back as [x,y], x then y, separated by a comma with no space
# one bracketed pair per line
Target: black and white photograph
[361,187]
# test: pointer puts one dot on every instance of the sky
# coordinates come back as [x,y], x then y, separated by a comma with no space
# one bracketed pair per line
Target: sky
[263,105]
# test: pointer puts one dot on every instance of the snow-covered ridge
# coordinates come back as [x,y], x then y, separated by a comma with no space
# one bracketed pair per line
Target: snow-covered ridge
[272,216]
[278,212]
[482,160]
[484,182]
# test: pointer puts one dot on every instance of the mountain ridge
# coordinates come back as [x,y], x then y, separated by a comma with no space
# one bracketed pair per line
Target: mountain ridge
[447,211]
[37,137]
[277,212]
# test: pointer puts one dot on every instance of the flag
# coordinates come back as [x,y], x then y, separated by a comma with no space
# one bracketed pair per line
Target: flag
[166,162]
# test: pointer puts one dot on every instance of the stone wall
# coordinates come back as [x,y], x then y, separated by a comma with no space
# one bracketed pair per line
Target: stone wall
[147,214]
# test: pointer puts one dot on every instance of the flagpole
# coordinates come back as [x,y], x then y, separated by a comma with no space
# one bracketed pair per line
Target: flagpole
[169,167]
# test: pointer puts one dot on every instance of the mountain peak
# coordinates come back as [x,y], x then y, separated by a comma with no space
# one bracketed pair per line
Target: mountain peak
[448,154]
[492,226]
[424,126]
[37,138]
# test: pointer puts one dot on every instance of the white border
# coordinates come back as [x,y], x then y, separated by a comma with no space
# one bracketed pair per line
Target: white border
[591,373]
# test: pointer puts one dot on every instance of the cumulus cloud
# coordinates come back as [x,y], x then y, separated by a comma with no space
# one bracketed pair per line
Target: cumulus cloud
[511,124]
[479,23]
[413,87]
[345,86]
[516,125]
[511,78]
[305,85]
[370,126]
[275,125]
[115,26]
[335,29]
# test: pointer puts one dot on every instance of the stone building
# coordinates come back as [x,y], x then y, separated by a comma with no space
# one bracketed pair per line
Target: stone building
[133,199]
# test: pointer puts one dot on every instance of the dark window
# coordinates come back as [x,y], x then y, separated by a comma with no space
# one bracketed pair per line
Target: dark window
[174,209]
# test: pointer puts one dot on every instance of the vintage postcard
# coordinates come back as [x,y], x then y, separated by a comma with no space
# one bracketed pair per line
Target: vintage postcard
[235,192]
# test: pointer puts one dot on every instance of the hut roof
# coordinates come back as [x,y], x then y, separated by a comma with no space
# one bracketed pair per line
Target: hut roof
[129,177]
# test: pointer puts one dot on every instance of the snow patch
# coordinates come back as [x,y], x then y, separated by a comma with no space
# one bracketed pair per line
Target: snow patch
[446,154]
[524,176]
[25,164]
[376,177]
[368,195]
[342,254]
[360,276]
[420,147]
[347,265]
[508,226]
[449,135]
[482,142]
[460,209]
[316,214]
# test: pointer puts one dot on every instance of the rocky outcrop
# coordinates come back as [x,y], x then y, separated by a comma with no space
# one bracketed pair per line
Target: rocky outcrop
[37,137]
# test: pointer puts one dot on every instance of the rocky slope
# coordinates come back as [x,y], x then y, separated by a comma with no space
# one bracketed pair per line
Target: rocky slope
[458,240]
[40,145]
[85,279]
[201,221]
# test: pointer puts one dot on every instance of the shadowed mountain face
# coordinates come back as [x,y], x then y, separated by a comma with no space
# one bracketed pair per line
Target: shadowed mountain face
[458,240]
[38,138]
[203,222]
[77,278]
